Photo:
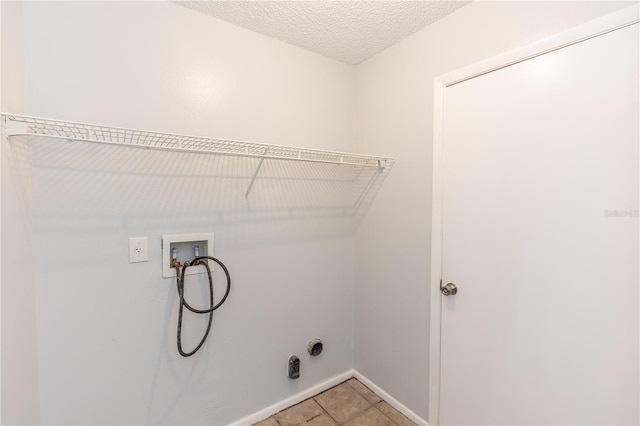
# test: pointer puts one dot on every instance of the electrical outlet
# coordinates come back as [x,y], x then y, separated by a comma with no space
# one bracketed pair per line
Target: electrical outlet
[138,250]
[294,367]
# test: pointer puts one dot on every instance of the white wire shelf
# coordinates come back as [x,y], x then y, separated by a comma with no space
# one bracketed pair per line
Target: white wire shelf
[19,125]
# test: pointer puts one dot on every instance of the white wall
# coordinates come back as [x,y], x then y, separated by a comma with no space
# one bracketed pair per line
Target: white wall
[106,328]
[20,403]
[395,110]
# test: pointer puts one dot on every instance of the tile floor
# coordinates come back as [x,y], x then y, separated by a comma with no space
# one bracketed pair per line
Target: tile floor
[350,403]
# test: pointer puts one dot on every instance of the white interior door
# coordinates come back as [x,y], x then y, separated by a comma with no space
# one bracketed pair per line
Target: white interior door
[540,235]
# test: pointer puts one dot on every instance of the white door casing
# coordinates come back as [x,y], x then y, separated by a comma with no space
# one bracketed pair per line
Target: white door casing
[536,352]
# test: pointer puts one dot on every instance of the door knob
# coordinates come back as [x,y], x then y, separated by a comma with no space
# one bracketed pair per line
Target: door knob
[449,289]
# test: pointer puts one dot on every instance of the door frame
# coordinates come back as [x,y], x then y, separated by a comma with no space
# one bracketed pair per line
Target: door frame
[600,26]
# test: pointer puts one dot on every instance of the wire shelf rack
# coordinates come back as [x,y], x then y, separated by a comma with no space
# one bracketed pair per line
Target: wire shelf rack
[19,125]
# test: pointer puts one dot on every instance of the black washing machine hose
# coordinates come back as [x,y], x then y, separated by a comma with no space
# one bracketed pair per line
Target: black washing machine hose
[183,302]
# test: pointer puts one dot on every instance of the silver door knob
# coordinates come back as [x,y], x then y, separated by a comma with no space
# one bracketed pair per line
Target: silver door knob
[449,289]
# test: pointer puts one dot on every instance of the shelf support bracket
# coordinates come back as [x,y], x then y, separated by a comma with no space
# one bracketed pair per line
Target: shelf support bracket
[255,175]
[14,127]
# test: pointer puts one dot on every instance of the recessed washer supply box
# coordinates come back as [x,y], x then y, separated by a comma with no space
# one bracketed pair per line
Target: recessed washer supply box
[185,244]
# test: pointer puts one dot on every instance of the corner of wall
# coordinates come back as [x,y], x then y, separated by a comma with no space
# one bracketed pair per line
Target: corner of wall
[13,75]
[19,377]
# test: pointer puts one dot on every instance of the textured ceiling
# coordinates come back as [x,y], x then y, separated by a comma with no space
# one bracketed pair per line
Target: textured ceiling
[349,30]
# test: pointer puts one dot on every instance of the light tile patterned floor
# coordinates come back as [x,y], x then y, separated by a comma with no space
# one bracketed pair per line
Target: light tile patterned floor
[350,403]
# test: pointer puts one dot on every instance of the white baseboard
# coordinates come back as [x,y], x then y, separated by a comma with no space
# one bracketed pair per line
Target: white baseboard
[390,400]
[323,386]
[294,399]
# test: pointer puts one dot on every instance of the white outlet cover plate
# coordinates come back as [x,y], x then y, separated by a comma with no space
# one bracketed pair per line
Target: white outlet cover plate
[138,250]
[167,270]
